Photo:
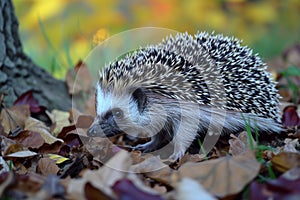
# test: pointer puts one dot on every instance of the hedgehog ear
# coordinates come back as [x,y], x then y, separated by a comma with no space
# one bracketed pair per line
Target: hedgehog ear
[140,97]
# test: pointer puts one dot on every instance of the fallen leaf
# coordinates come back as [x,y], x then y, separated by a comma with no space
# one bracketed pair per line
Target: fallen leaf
[73,140]
[73,168]
[150,164]
[287,186]
[29,139]
[6,144]
[50,148]
[125,189]
[57,158]
[100,148]
[3,166]
[223,176]
[47,166]
[37,126]
[104,177]
[29,183]
[84,121]
[92,193]
[12,148]
[241,144]
[61,120]
[74,114]
[190,189]
[14,117]
[65,130]
[290,117]
[22,154]
[2,132]
[284,161]
[27,98]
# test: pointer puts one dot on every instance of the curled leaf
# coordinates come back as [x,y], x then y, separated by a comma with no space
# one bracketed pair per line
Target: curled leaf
[37,126]
[223,176]
[290,117]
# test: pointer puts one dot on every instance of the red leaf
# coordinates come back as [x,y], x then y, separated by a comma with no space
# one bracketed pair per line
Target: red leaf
[290,117]
[125,189]
[284,187]
[27,98]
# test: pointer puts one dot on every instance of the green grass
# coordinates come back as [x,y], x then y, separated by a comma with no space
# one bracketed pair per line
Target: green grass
[259,150]
[202,149]
[56,60]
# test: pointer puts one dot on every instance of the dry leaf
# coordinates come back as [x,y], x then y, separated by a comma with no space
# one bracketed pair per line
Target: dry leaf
[6,144]
[39,127]
[57,158]
[92,193]
[3,166]
[126,189]
[223,176]
[22,154]
[74,114]
[12,148]
[284,161]
[84,121]
[100,148]
[112,171]
[27,98]
[61,119]
[285,186]
[104,177]
[29,139]
[151,164]
[290,117]
[47,166]
[241,144]
[190,189]
[13,117]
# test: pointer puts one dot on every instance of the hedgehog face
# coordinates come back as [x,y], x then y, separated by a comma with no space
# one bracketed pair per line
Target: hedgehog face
[119,113]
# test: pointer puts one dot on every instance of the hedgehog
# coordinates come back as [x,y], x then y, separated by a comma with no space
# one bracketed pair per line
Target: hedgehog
[185,87]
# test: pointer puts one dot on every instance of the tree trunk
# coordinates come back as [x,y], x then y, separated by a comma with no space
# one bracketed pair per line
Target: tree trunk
[18,73]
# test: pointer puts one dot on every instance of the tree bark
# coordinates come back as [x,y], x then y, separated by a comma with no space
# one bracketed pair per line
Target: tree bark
[18,73]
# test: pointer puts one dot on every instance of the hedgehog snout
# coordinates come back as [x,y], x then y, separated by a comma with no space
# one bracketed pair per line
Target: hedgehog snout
[96,130]
[104,127]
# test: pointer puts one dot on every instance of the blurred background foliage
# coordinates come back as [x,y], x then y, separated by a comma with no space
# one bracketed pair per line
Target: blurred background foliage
[57,33]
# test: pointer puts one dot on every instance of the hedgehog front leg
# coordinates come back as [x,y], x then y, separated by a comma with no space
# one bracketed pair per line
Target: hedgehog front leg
[179,150]
[148,146]
[184,137]
[157,141]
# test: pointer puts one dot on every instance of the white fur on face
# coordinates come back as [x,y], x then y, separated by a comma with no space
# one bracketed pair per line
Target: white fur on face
[104,101]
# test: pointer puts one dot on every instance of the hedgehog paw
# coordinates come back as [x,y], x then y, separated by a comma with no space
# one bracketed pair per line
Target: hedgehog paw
[176,156]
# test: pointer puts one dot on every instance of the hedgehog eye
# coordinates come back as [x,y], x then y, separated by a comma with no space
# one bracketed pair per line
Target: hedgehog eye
[118,113]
